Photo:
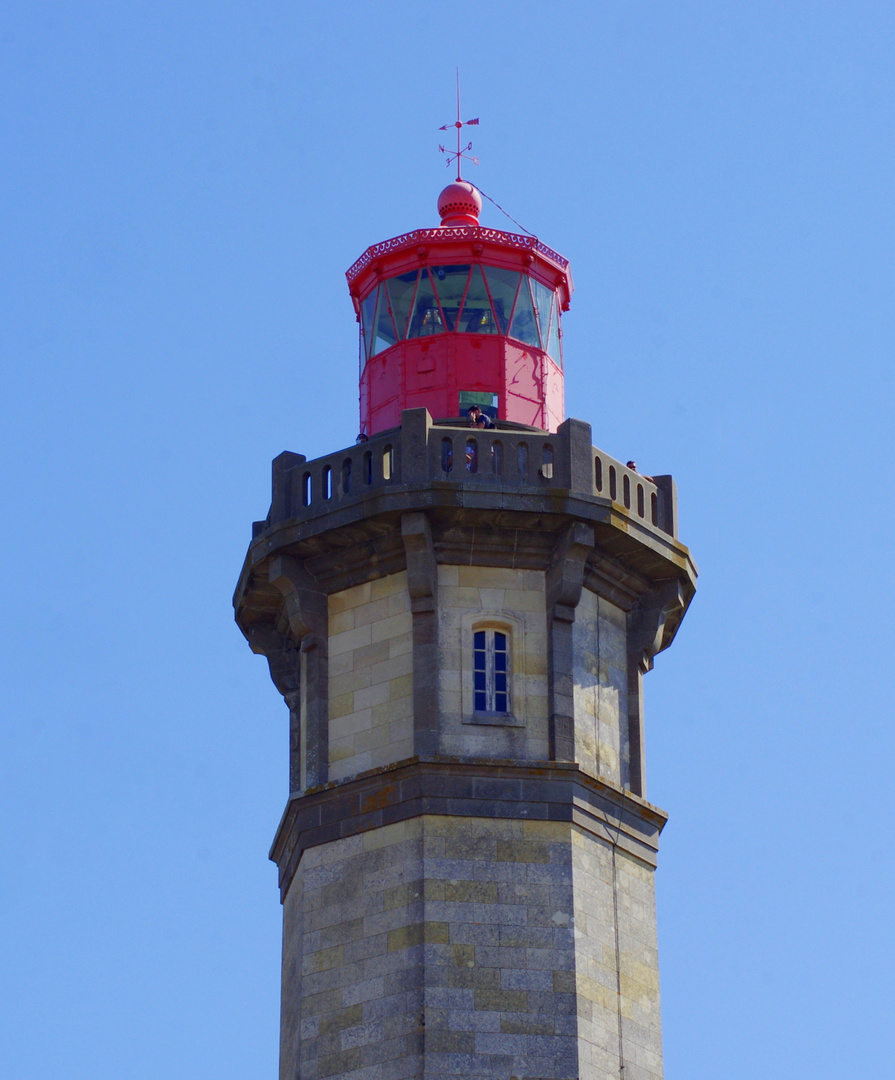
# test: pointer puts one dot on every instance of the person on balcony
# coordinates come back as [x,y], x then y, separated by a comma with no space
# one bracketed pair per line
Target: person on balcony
[479,419]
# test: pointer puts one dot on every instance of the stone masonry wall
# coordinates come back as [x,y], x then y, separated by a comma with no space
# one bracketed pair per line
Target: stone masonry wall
[469,596]
[370,676]
[448,947]
[352,989]
[617,962]
[499,993]
[601,688]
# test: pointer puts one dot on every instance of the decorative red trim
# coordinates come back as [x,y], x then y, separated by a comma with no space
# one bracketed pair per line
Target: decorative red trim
[454,232]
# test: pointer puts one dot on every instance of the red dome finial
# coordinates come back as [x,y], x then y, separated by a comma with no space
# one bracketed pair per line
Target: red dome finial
[460,204]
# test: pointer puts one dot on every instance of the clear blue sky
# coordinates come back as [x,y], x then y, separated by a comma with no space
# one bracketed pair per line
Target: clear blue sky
[183,187]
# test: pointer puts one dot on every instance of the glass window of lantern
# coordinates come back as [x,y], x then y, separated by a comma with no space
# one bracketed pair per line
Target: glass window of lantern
[555,345]
[384,335]
[426,318]
[503,286]
[543,298]
[469,299]
[401,291]
[477,316]
[450,284]
[523,327]
[367,311]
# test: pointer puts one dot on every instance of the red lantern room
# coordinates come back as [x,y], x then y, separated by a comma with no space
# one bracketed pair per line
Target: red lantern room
[460,315]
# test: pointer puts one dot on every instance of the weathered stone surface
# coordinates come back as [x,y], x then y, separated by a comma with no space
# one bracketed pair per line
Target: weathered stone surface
[370,676]
[564,985]
[600,689]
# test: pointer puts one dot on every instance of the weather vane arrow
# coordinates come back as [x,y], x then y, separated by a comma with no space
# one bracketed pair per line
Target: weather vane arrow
[459,124]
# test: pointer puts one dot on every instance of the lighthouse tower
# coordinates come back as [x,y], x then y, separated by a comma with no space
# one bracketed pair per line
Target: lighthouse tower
[459,616]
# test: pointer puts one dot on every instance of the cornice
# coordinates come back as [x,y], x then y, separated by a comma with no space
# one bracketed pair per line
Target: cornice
[479,788]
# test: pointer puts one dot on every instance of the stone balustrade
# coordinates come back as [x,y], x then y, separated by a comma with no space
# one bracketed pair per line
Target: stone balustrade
[423,453]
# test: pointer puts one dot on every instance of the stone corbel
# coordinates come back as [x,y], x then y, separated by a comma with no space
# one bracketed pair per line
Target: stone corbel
[565,576]
[305,613]
[422,585]
[304,605]
[565,582]
[650,623]
[650,629]
[422,570]
[284,660]
[282,655]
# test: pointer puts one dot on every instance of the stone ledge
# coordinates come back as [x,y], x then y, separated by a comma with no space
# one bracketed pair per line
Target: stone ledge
[528,791]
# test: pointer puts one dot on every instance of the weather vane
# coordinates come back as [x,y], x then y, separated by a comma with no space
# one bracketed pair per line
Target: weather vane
[458,124]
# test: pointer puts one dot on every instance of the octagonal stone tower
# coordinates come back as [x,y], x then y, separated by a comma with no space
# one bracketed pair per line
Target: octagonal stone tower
[459,620]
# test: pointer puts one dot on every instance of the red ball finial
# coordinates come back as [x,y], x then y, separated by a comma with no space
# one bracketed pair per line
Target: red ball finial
[460,204]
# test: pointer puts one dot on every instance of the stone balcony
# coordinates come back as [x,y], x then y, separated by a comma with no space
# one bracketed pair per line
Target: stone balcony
[450,457]
[496,497]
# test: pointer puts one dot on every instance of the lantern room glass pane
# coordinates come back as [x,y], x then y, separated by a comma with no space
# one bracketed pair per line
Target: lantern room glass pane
[384,335]
[401,291]
[450,285]
[523,326]
[543,303]
[503,285]
[367,311]
[426,318]
[477,316]
[555,345]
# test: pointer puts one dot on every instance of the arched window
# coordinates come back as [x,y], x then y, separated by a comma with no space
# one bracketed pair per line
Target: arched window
[493,684]
[491,671]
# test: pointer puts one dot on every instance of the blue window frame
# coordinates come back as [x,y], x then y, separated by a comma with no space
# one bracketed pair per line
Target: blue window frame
[491,671]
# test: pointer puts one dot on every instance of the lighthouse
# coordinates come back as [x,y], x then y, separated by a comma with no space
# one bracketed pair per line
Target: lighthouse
[447,324]
[459,610]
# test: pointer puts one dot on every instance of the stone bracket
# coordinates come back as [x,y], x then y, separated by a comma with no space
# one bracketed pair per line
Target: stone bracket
[565,581]
[649,624]
[565,576]
[305,615]
[282,655]
[304,603]
[422,585]
[422,570]
[649,631]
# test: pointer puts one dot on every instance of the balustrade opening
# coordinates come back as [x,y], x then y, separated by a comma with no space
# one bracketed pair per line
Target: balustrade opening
[497,458]
[547,462]
[472,456]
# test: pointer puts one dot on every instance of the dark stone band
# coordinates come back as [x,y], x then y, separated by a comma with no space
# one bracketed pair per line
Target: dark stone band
[536,791]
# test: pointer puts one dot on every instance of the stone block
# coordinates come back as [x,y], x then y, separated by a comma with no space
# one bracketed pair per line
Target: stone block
[349,640]
[523,979]
[483,892]
[500,1000]
[349,598]
[341,1063]
[337,1021]
[524,851]
[374,653]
